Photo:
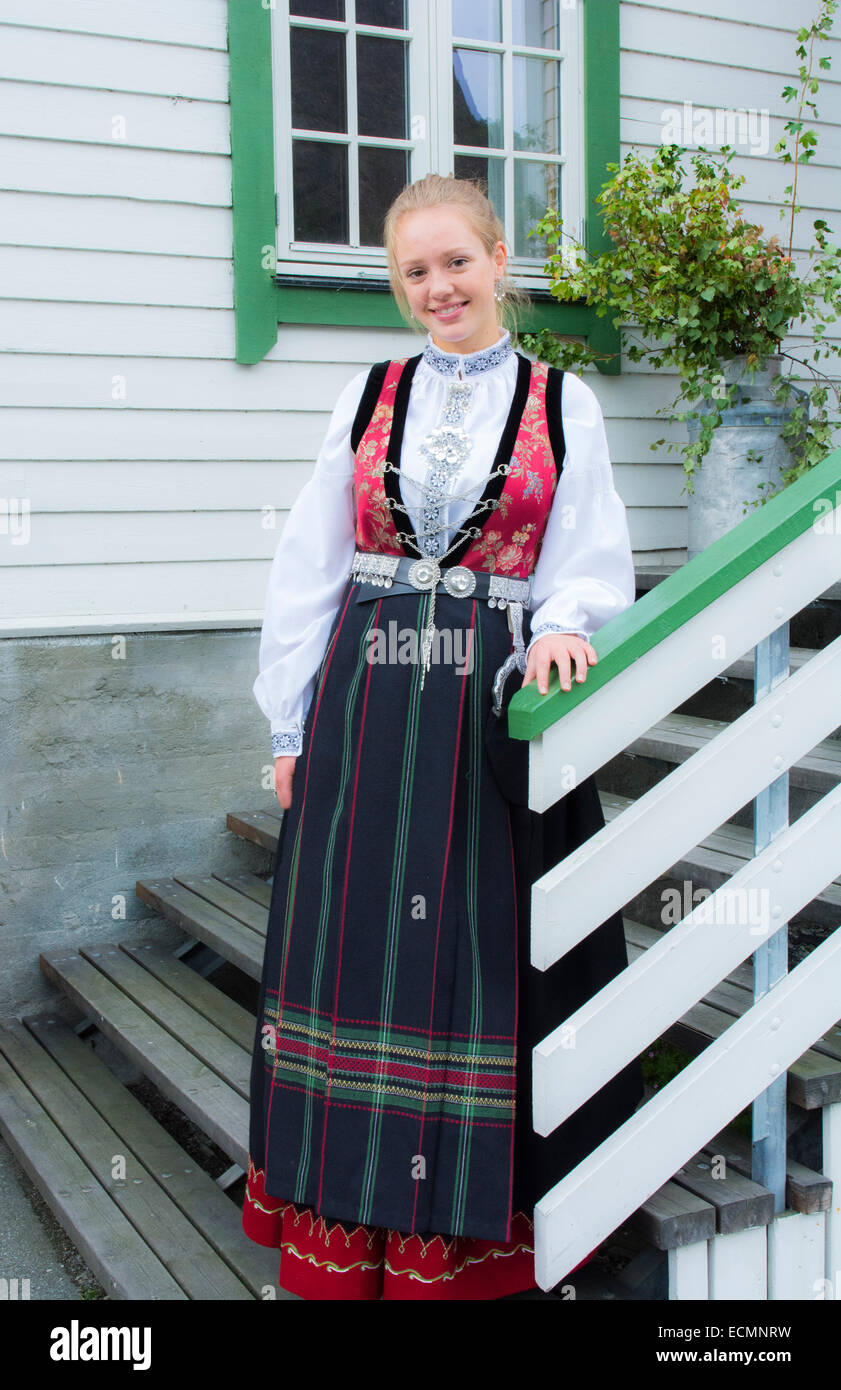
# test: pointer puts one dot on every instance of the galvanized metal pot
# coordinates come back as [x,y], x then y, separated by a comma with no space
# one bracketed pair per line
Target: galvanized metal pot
[746,455]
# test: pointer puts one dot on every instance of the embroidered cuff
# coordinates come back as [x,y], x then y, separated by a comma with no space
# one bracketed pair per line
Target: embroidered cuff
[287,744]
[543,629]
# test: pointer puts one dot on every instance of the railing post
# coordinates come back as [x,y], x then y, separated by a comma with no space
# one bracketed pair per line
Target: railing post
[770,960]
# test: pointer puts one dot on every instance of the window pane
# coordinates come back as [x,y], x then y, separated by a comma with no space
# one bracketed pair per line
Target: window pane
[319,96]
[490,173]
[477,98]
[382,175]
[318,9]
[320,185]
[388,14]
[536,23]
[381,87]
[537,105]
[477,19]
[535,189]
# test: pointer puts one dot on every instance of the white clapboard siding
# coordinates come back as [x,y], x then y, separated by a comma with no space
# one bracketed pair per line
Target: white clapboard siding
[78,223]
[119,65]
[115,275]
[141,538]
[679,35]
[192,23]
[71,597]
[111,277]
[144,383]
[51,166]
[34,110]
[211,434]
[153,485]
[708,84]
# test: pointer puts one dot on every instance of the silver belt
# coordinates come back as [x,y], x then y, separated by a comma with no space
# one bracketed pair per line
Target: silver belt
[401,574]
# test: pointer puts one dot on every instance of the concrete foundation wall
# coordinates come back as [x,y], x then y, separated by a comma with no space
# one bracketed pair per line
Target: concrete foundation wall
[119,759]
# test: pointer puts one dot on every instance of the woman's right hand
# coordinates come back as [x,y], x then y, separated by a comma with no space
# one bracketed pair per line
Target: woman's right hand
[284,771]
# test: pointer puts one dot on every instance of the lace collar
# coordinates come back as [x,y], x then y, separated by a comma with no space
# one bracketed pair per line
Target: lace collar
[447,363]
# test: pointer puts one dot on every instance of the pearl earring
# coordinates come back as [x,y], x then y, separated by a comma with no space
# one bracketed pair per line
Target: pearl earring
[498,295]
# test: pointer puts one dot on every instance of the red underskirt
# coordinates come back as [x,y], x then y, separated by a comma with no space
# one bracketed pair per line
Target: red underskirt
[322,1259]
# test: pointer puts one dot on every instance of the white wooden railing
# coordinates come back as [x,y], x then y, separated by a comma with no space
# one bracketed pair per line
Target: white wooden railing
[670,644]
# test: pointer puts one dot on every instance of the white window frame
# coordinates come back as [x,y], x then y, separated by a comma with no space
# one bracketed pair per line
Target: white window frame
[431,142]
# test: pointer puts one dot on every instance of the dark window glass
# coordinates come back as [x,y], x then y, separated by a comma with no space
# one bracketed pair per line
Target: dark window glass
[382,175]
[388,14]
[319,95]
[381,87]
[320,180]
[536,188]
[318,9]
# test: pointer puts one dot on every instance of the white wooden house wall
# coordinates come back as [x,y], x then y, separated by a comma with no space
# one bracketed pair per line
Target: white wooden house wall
[146,508]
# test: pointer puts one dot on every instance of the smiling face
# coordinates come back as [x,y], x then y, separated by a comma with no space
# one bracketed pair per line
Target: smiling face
[448,277]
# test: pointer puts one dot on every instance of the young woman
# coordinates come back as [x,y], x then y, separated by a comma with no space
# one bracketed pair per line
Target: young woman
[460,529]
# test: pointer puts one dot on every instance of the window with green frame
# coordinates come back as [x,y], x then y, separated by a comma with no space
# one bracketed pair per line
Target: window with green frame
[336,104]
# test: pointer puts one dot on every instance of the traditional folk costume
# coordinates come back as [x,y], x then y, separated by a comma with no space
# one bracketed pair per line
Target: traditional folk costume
[461,507]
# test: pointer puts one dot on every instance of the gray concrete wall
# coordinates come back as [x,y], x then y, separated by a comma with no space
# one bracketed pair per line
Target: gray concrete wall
[119,763]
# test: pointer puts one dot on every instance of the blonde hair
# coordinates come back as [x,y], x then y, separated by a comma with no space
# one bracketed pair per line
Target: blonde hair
[470,197]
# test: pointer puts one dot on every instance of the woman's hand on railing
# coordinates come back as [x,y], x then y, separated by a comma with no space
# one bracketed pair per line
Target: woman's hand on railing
[284,771]
[563,648]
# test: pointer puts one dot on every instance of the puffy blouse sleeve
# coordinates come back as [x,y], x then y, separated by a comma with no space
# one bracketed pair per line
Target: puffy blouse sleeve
[585,570]
[311,565]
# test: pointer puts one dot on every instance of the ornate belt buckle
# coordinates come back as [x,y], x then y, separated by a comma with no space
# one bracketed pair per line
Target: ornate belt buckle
[424,574]
[460,581]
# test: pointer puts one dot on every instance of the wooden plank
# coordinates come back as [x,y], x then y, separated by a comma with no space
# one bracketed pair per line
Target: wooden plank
[253,887]
[41,112]
[673,1216]
[195,1192]
[206,923]
[209,888]
[231,1061]
[257,826]
[112,277]
[687,79]
[50,166]
[162,537]
[104,434]
[157,68]
[796,1242]
[157,383]
[196,23]
[158,1221]
[156,485]
[738,1265]
[112,224]
[688,1272]
[120,1259]
[739,1202]
[831,1136]
[208,1100]
[225,594]
[203,997]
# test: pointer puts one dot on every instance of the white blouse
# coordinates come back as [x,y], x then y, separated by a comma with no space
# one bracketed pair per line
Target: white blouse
[585,571]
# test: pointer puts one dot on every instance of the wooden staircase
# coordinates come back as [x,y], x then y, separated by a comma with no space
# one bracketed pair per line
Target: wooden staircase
[149,1220]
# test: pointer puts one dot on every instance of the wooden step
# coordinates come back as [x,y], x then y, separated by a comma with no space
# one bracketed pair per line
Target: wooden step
[192,1060]
[678,736]
[241,939]
[180,1214]
[721,855]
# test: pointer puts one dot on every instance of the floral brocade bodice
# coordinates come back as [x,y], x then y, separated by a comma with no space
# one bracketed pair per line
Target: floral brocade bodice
[512,512]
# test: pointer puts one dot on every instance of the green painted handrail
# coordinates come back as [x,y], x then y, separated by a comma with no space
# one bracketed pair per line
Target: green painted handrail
[685,593]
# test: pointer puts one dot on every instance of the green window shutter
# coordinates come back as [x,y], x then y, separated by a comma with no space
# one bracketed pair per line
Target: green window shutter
[260,304]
